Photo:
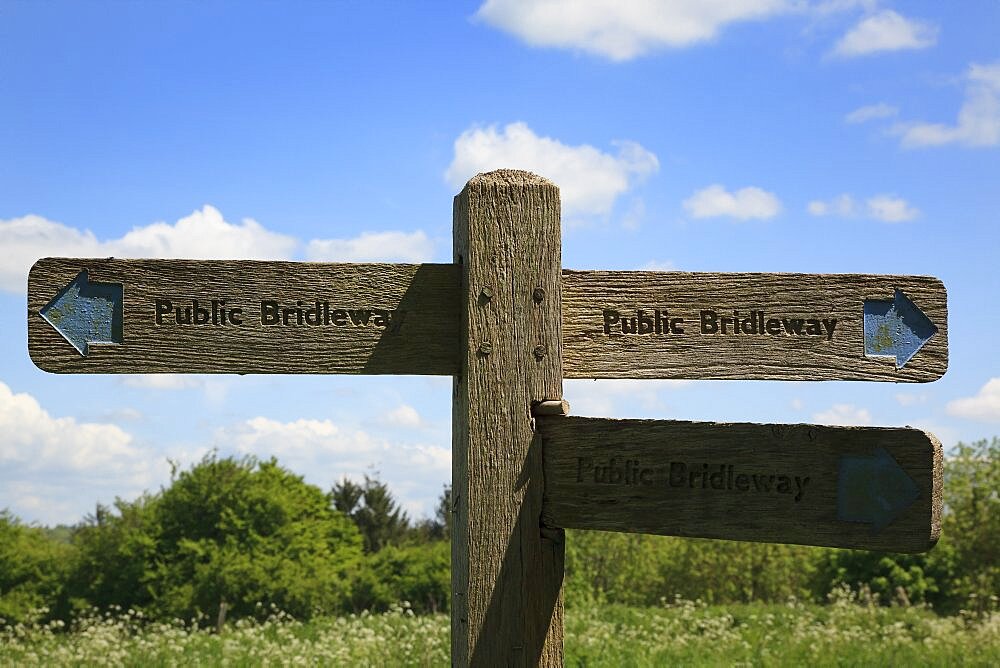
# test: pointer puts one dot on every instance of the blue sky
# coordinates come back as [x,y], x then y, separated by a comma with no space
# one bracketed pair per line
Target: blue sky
[761,135]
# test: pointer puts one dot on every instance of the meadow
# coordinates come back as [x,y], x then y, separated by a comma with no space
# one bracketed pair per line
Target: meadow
[846,632]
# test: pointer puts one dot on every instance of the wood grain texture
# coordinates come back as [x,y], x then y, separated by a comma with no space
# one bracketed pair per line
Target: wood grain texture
[426,341]
[506,568]
[590,353]
[574,499]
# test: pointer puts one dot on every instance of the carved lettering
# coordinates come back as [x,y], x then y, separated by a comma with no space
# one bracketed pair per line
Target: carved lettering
[660,322]
[686,476]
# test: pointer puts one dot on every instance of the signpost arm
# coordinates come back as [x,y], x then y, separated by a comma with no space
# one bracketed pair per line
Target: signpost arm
[507,569]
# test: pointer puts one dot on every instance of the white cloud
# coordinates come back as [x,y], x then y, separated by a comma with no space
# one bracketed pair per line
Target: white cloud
[405,416]
[978,122]
[871,112]
[373,247]
[884,208]
[885,31]
[618,397]
[844,414]
[203,234]
[589,180]
[842,205]
[622,30]
[890,209]
[984,406]
[45,461]
[743,204]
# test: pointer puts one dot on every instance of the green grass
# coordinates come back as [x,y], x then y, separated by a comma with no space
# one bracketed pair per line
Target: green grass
[844,633]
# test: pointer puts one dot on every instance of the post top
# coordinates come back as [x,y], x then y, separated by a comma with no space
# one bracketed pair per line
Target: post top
[507,177]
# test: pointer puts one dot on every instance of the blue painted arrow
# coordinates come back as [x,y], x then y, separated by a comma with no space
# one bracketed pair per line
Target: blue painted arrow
[86,313]
[896,328]
[873,489]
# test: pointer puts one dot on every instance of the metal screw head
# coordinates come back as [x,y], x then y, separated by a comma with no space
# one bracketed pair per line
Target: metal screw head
[485,348]
[486,292]
[538,295]
[539,352]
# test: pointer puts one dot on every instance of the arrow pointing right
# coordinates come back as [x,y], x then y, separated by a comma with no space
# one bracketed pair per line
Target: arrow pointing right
[896,328]
[85,313]
[873,489]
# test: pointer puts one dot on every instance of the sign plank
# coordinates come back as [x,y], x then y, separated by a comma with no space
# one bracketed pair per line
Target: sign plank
[645,324]
[216,316]
[870,488]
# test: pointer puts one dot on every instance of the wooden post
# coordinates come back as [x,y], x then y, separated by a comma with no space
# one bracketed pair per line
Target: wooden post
[507,569]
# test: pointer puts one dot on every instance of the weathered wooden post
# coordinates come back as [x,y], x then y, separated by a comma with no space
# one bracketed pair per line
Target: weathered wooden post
[507,569]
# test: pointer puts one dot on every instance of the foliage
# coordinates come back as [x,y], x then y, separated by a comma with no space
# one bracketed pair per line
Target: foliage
[241,536]
[634,569]
[115,549]
[227,535]
[419,575]
[32,569]
[972,519]
[249,533]
[964,566]
[375,512]
[845,633]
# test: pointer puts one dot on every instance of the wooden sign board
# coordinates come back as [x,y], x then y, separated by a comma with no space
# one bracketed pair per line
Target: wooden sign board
[635,324]
[212,316]
[860,487]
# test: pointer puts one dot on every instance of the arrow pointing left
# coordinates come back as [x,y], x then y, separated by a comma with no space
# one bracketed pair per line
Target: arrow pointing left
[85,313]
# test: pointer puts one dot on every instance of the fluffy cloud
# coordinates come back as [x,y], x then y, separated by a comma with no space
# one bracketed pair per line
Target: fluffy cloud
[885,31]
[871,112]
[373,247]
[890,209]
[46,460]
[884,208]
[622,30]
[978,122]
[743,204]
[983,406]
[405,416]
[589,180]
[204,234]
[844,414]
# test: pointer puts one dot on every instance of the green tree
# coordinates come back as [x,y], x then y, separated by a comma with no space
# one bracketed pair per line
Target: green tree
[243,533]
[114,557]
[374,510]
[32,570]
[971,523]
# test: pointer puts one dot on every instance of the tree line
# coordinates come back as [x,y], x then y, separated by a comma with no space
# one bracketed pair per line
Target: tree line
[239,537]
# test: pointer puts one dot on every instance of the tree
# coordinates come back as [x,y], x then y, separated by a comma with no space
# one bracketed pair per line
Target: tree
[32,570]
[245,533]
[375,512]
[114,557]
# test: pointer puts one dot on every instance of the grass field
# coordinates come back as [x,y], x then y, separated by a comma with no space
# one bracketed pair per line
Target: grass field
[843,633]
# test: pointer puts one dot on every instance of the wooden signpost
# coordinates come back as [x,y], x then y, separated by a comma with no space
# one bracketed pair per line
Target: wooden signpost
[509,324]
